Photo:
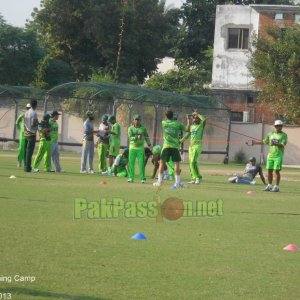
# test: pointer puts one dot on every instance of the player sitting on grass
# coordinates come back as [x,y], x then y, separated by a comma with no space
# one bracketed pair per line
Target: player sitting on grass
[120,165]
[250,172]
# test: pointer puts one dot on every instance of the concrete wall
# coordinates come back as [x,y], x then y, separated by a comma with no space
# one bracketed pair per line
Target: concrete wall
[230,65]
[70,131]
[239,133]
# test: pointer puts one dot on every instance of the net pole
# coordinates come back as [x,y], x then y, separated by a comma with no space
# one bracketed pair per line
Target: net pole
[155,124]
[16,116]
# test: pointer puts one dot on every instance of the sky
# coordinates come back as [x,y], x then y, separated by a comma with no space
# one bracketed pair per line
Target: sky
[15,12]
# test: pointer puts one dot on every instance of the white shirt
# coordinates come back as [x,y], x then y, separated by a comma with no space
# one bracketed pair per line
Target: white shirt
[29,116]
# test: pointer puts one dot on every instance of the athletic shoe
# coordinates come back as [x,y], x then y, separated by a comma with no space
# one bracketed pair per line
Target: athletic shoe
[178,186]
[198,181]
[103,172]
[130,180]
[19,165]
[275,188]
[157,184]
[166,177]
[82,171]
[143,181]
[91,171]
[191,182]
[232,179]
[35,170]
[252,182]
[268,188]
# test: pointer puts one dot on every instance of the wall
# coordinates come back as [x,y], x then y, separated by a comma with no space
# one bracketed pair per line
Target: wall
[230,65]
[215,137]
[238,137]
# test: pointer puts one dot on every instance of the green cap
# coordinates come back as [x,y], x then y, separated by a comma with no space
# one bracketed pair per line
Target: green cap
[126,151]
[252,158]
[46,116]
[136,117]
[105,117]
[89,113]
[111,118]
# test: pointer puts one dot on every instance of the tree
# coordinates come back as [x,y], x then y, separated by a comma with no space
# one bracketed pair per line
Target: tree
[197,30]
[275,65]
[19,54]
[126,36]
[185,79]
[51,72]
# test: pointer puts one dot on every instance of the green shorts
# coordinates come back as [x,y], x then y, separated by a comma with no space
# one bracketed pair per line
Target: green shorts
[168,153]
[114,150]
[274,163]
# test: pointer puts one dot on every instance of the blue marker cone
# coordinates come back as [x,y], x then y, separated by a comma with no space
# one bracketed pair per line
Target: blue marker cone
[139,236]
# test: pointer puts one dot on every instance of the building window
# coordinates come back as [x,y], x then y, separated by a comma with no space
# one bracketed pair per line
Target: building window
[236,116]
[238,38]
[297,19]
[250,100]
[278,16]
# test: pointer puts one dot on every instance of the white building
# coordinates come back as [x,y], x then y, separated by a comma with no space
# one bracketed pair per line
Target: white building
[231,79]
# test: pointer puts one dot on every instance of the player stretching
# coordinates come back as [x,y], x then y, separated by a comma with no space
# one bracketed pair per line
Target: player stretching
[195,149]
[276,140]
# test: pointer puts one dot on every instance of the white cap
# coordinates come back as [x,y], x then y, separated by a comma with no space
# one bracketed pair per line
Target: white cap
[28,105]
[278,122]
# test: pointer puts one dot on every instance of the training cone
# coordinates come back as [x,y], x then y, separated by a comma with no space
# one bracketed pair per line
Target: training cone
[103,182]
[139,236]
[291,247]
[12,177]
[249,193]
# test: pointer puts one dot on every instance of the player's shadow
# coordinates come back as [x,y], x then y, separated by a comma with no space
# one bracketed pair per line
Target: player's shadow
[34,293]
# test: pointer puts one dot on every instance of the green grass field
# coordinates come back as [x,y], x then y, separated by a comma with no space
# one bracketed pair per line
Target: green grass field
[235,256]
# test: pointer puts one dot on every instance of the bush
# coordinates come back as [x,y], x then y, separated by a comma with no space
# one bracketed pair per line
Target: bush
[240,157]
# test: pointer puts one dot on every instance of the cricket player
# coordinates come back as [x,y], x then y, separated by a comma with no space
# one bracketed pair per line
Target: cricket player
[195,148]
[103,144]
[171,130]
[119,167]
[44,145]
[114,141]
[20,126]
[30,128]
[277,141]
[250,172]
[137,135]
[88,143]
[54,151]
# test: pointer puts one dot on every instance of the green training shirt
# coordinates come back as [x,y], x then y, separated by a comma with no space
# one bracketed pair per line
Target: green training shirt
[280,138]
[156,150]
[171,130]
[114,139]
[121,161]
[196,132]
[20,123]
[137,137]
[54,131]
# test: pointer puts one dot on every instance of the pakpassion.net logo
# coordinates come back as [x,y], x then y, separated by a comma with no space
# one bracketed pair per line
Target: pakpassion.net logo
[171,209]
